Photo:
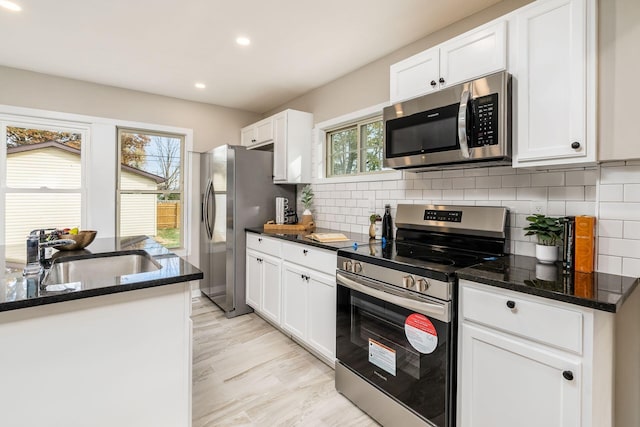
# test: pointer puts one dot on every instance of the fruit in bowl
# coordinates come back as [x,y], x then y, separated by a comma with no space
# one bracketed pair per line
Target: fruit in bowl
[81,238]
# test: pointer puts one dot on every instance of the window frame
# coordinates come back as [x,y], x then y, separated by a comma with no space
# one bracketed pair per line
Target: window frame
[28,122]
[358,125]
[183,181]
[319,149]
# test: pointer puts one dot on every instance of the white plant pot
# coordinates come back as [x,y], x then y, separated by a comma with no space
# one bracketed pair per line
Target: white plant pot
[546,254]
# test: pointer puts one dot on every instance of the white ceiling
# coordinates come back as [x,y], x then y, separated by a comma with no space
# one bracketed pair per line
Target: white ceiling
[165,46]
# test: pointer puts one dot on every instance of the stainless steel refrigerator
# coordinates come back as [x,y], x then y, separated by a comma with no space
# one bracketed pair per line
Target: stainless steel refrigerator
[237,192]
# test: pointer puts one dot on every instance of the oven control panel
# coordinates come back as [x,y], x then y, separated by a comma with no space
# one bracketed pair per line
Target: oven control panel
[447,216]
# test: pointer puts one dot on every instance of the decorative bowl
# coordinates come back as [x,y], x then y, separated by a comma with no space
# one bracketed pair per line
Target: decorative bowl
[82,240]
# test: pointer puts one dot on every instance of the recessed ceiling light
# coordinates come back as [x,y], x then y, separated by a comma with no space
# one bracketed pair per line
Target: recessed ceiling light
[200,85]
[243,41]
[10,5]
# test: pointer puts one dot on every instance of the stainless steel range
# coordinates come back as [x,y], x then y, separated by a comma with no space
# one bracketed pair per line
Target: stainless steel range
[396,311]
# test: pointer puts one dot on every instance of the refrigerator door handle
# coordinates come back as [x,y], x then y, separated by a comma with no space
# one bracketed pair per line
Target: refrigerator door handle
[205,209]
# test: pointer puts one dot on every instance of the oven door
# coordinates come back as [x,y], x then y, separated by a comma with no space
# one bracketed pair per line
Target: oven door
[400,342]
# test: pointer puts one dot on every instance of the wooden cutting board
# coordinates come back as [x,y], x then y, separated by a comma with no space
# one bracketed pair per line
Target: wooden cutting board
[328,237]
[289,227]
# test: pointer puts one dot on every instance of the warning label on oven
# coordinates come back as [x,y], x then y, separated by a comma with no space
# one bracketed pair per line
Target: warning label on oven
[421,333]
[382,356]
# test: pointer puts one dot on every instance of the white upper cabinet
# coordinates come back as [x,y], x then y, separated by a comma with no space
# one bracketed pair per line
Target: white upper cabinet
[257,134]
[416,75]
[290,133]
[473,54]
[554,83]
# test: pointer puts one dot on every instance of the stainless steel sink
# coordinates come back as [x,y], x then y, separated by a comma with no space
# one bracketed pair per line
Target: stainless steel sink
[100,267]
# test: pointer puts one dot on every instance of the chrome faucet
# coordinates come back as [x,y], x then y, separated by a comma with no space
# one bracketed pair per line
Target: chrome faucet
[36,245]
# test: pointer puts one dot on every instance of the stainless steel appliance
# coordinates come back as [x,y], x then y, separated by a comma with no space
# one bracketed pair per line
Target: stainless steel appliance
[465,125]
[238,192]
[396,311]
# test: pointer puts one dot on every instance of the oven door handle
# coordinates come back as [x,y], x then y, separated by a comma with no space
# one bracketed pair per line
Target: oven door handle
[462,123]
[438,311]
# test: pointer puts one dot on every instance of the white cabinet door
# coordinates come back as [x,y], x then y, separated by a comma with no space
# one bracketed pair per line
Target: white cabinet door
[248,136]
[253,279]
[506,382]
[280,147]
[474,54]
[414,76]
[271,288]
[264,131]
[294,302]
[552,84]
[322,314]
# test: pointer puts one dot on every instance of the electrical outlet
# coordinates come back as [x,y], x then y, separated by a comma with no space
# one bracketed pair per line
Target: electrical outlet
[372,205]
[538,207]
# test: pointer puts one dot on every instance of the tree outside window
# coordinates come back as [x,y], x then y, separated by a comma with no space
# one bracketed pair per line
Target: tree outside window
[150,186]
[356,149]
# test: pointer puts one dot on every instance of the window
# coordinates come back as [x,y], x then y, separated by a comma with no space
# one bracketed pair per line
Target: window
[355,149]
[43,182]
[150,186]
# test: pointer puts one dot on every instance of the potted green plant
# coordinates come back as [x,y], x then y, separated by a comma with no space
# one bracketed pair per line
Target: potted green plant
[307,201]
[548,230]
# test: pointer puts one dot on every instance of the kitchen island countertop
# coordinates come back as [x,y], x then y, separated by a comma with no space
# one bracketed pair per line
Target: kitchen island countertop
[15,293]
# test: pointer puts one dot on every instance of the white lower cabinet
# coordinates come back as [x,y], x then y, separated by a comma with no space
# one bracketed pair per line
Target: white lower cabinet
[294,287]
[527,361]
[510,382]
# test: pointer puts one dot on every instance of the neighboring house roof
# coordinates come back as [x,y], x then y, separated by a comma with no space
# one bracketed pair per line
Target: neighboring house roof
[54,144]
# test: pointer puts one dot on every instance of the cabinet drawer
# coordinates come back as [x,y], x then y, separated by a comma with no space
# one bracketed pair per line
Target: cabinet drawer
[310,257]
[539,321]
[263,244]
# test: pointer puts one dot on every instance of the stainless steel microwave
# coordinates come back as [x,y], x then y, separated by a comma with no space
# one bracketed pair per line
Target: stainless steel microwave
[465,125]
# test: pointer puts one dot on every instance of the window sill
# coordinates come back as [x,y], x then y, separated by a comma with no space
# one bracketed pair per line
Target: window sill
[381,176]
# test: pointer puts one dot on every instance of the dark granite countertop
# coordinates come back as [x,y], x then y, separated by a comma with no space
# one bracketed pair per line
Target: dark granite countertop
[524,274]
[16,292]
[299,237]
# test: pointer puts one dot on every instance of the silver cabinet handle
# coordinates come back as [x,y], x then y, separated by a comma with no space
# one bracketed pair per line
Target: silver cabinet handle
[462,124]
[439,311]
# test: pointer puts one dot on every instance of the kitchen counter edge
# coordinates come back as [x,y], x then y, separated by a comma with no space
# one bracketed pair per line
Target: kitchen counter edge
[299,237]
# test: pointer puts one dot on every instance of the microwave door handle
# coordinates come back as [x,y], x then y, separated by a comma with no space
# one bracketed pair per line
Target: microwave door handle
[462,124]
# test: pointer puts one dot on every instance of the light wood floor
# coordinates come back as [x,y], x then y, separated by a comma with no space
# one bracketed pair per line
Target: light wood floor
[247,373]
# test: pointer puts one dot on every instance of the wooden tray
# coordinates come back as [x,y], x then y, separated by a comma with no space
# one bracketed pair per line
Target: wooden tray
[289,227]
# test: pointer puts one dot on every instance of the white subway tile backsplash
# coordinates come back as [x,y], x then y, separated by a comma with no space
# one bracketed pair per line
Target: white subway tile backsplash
[584,177]
[620,175]
[547,179]
[614,198]
[581,208]
[502,194]
[459,183]
[609,264]
[556,208]
[632,192]
[631,231]
[442,184]
[489,182]
[453,194]
[456,173]
[566,193]
[631,267]
[610,228]
[612,193]
[530,193]
[476,172]
[517,181]
[623,211]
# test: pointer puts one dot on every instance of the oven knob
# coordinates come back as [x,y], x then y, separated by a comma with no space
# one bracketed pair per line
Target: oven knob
[357,267]
[346,265]
[422,285]
[409,282]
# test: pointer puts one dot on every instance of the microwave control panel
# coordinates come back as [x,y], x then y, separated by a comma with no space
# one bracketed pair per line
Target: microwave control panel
[485,126]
